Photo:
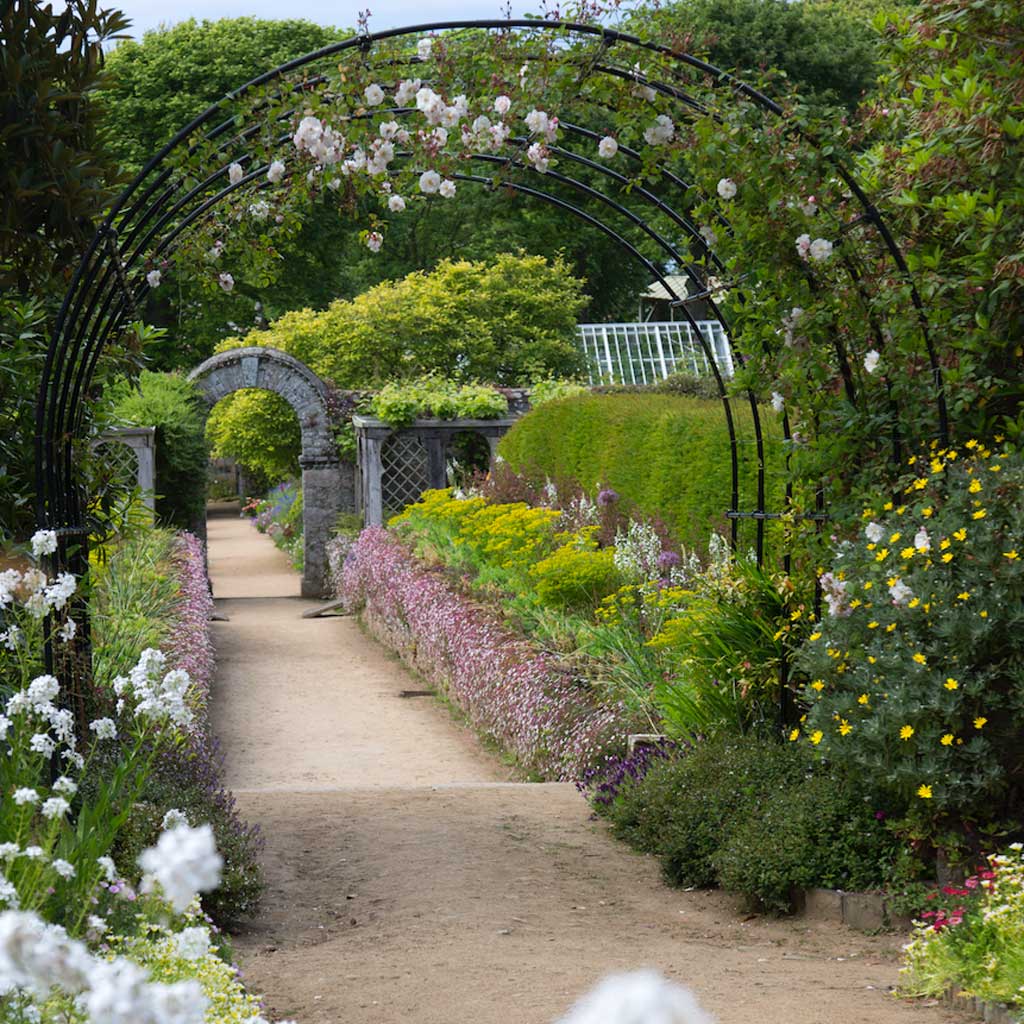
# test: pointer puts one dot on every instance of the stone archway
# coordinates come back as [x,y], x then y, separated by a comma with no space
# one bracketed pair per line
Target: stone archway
[322,477]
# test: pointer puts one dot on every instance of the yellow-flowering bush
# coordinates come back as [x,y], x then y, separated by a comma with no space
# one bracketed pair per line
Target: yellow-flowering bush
[574,577]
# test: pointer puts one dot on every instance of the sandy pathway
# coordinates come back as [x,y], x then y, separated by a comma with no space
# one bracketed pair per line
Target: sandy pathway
[410,882]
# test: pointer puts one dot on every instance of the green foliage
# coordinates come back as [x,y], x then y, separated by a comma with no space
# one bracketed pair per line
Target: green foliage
[827,51]
[505,321]
[551,388]
[136,596]
[172,405]
[682,808]
[754,816]
[575,577]
[55,175]
[22,325]
[916,676]
[159,84]
[401,403]
[668,455]
[818,832]
[724,650]
[259,430]
[950,123]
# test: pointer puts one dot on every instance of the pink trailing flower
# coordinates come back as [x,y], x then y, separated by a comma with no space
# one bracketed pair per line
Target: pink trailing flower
[552,721]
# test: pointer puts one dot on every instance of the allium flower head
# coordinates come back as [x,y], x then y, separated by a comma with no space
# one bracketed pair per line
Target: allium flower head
[606,497]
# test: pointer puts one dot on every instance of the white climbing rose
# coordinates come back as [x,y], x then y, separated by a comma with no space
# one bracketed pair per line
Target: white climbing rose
[430,182]
[607,147]
[396,204]
[374,95]
[153,279]
[275,172]
[726,188]
[235,173]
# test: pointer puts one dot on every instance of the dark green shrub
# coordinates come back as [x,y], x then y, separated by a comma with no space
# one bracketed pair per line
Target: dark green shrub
[668,455]
[682,808]
[171,404]
[818,832]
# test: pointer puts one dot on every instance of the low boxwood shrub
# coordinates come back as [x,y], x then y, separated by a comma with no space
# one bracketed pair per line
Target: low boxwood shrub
[668,455]
[751,814]
[681,809]
[818,832]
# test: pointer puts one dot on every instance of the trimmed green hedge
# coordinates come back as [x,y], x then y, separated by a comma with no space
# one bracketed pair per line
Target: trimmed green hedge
[667,454]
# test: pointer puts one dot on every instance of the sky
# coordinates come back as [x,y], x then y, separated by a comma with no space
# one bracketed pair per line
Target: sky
[147,14]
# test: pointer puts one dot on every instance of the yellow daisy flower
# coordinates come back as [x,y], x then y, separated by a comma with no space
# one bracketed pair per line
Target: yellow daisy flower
[924,792]
[906,732]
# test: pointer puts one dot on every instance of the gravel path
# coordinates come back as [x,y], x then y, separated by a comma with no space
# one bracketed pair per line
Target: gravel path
[412,882]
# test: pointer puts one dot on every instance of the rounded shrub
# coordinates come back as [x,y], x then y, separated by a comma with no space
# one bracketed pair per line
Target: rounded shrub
[818,832]
[682,808]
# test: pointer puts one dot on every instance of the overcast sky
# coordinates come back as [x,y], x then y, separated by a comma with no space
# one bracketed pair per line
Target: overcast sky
[147,14]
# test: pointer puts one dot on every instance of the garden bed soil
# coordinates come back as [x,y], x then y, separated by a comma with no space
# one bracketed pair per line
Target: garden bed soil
[410,882]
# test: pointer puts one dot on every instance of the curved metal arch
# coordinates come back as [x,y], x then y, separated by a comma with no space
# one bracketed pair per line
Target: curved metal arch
[96,297]
[667,246]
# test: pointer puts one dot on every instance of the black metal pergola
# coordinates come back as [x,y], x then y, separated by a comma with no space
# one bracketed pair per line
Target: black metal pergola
[162,205]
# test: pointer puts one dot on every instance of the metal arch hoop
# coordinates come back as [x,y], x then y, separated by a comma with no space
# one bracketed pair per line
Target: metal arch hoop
[100,298]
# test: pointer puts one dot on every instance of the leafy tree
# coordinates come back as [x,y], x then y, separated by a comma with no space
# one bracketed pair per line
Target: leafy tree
[172,75]
[54,182]
[506,321]
[826,50]
[172,405]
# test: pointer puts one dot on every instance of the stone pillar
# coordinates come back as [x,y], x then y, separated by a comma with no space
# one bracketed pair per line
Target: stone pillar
[321,493]
[437,470]
[373,494]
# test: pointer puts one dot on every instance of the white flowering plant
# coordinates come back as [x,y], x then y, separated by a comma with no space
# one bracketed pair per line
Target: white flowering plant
[57,833]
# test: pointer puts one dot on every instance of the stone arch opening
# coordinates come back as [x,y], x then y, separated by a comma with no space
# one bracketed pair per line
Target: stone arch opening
[323,487]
